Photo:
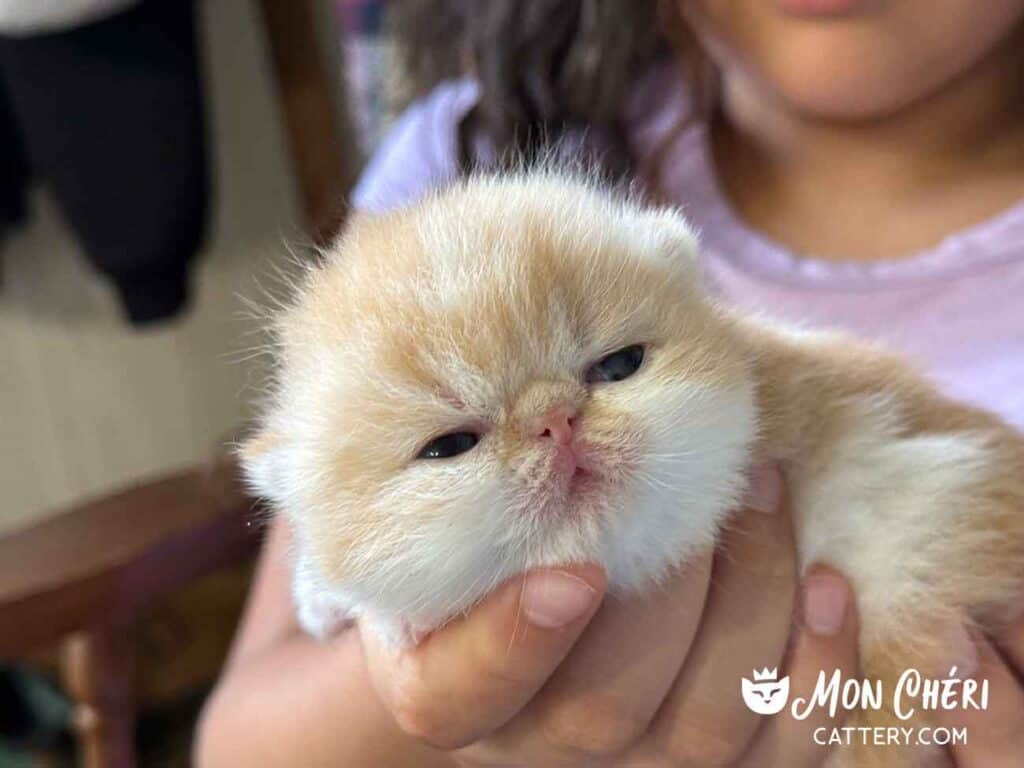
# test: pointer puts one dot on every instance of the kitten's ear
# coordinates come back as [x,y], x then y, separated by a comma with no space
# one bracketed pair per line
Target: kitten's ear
[262,456]
[666,237]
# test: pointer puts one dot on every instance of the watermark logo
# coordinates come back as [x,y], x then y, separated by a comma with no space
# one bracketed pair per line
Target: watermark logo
[766,694]
[913,692]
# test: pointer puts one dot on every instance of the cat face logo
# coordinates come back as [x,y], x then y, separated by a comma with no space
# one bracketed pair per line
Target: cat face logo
[766,695]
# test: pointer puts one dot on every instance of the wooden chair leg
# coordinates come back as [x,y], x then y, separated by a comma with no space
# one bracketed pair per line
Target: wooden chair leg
[97,670]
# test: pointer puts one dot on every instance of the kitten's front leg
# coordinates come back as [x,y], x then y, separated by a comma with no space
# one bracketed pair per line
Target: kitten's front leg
[324,611]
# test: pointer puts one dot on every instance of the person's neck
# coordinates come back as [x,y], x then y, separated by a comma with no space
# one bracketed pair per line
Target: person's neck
[876,188]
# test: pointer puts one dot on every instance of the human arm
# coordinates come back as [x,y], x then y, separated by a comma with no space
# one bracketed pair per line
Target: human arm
[285,699]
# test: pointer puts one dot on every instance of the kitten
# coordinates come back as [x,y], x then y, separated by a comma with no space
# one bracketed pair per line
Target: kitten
[523,371]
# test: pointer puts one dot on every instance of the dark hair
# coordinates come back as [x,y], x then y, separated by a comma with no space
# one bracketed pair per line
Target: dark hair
[545,67]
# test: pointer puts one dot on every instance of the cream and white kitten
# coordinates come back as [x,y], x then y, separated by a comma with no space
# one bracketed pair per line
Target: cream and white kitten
[523,370]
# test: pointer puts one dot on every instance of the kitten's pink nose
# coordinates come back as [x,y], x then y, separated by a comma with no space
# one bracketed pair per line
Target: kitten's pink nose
[559,424]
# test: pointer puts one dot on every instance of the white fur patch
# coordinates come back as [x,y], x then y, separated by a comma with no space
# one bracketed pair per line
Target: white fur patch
[888,511]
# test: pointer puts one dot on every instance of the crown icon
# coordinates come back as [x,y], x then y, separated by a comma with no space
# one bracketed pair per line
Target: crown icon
[766,674]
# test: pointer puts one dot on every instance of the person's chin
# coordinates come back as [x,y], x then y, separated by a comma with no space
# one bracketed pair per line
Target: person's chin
[827,87]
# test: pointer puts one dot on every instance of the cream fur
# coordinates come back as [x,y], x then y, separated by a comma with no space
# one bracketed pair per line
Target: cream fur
[481,307]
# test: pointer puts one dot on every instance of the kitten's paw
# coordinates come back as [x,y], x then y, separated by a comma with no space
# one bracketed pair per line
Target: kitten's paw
[321,612]
[391,632]
[322,617]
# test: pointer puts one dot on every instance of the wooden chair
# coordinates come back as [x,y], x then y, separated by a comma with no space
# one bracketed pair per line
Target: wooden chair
[80,578]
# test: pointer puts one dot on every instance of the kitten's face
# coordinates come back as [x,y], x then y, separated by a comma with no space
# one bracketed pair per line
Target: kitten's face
[513,374]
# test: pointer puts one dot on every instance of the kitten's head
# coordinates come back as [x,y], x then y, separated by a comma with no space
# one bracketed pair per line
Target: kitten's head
[515,372]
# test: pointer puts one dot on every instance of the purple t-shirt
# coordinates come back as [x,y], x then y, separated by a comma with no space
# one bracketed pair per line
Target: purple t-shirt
[957,308]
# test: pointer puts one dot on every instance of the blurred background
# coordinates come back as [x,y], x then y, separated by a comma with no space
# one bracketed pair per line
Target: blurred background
[140,204]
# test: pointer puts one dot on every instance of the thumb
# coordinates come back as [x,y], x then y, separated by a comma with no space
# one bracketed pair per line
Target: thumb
[476,673]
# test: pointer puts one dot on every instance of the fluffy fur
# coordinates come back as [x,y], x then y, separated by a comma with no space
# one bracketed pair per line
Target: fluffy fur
[481,307]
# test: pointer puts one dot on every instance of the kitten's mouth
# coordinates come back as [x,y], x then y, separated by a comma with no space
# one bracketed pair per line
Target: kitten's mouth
[581,483]
[573,476]
[579,477]
[570,491]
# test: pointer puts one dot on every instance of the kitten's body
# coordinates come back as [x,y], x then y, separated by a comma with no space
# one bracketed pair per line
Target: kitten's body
[481,309]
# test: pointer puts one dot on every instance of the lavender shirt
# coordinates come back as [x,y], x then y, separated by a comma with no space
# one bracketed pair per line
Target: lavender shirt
[957,308]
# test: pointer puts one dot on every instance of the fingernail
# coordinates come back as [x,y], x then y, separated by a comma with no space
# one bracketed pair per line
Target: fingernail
[764,488]
[552,599]
[961,653]
[825,599]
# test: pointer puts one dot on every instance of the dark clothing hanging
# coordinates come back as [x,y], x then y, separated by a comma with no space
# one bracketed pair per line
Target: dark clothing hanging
[109,116]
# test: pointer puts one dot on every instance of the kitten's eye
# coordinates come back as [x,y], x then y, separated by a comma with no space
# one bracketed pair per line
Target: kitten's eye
[616,366]
[447,446]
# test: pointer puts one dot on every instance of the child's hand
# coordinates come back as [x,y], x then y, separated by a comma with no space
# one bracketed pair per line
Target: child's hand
[995,737]
[547,672]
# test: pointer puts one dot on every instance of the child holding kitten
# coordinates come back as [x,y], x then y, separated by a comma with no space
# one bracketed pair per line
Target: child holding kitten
[885,138]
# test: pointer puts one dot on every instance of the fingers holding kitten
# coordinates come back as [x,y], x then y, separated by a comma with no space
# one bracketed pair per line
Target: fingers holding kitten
[474,674]
[601,701]
[1011,645]
[746,626]
[995,735]
[826,640]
